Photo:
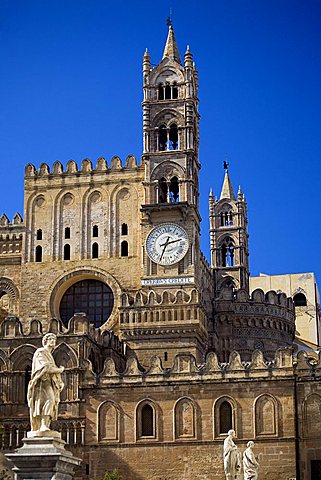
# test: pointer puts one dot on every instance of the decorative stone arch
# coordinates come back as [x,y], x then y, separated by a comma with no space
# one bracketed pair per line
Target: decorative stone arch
[265,416]
[312,415]
[228,282]
[167,73]
[109,422]
[65,356]
[21,357]
[66,280]
[220,414]
[3,361]
[7,287]
[147,420]
[185,418]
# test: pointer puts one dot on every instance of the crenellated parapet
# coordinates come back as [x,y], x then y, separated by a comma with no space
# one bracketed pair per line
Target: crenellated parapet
[11,236]
[185,368]
[244,322]
[86,167]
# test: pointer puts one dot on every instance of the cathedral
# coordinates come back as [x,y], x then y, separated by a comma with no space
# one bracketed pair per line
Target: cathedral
[163,352]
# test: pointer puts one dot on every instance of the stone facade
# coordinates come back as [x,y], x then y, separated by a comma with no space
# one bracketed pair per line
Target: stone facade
[162,356]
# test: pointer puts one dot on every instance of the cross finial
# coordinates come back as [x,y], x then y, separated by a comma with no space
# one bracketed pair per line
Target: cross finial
[169,18]
[225,165]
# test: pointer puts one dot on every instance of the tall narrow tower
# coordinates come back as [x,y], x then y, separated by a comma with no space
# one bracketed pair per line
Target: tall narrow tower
[229,238]
[172,317]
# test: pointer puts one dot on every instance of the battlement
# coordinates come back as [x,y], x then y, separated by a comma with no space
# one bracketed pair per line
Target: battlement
[16,222]
[86,167]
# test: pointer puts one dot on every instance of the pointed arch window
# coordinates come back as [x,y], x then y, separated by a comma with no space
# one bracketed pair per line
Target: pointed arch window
[160,92]
[67,232]
[67,252]
[95,250]
[162,191]
[124,248]
[174,190]
[38,253]
[162,139]
[39,234]
[227,252]
[95,231]
[173,137]
[174,91]
[124,229]
[168,92]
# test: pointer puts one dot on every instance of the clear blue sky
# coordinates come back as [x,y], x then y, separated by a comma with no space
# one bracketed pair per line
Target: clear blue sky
[70,88]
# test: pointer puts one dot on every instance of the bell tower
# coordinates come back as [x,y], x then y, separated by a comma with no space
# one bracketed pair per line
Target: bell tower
[170,154]
[229,238]
[169,314]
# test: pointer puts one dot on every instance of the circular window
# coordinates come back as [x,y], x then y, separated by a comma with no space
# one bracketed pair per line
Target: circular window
[92,297]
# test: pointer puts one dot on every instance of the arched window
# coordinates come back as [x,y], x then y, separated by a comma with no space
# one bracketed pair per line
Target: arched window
[38,253]
[124,229]
[160,92]
[300,300]
[124,249]
[173,137]
[265,415]
[27,380]
[162,138]
[67,252]
[39,234]
[67,232]
[168,92]
[227,251]
[147,421]
[225,417]
[92,297]
[162,190]
[184,419]
[174,190]
[95,231]
[174,91]
[95,250]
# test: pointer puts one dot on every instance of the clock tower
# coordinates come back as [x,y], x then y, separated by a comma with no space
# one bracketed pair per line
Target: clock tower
[172,264]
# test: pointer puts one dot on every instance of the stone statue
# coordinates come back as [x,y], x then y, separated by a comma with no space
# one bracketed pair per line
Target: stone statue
[232,457]
[45,386]
[250,465]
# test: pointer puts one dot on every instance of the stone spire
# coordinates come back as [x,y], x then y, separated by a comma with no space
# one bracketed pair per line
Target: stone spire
[227,188]
[171,49]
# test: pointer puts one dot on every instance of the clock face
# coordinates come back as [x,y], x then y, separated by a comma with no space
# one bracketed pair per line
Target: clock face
[167,244]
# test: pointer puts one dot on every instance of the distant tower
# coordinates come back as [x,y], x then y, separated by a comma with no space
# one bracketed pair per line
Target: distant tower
[229,238]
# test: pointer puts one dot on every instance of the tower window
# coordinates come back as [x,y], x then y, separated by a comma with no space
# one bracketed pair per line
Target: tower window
[67,252]
[147,421]
[95,231]
[174,190]
[168,92]
[162,193]
[160,92]
[124,249]
[38,253]
[173,137]
[67,232]
[227,251]
[162,139]
[300,300]
[226,219]
[225,417]
[95,250]
[39,234]
[174,91]
[124,229]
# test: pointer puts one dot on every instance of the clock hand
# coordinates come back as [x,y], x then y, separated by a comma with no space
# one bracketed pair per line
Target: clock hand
[173,241]
[165,246]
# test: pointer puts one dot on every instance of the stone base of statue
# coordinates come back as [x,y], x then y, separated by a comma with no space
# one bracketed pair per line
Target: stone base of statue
[43,457]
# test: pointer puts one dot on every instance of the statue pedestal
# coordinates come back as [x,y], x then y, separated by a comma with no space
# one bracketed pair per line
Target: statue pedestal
[43,457]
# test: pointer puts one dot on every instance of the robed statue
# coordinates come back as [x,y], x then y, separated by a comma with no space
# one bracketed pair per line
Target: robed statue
[45,386]
[232,457]
[250,465]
